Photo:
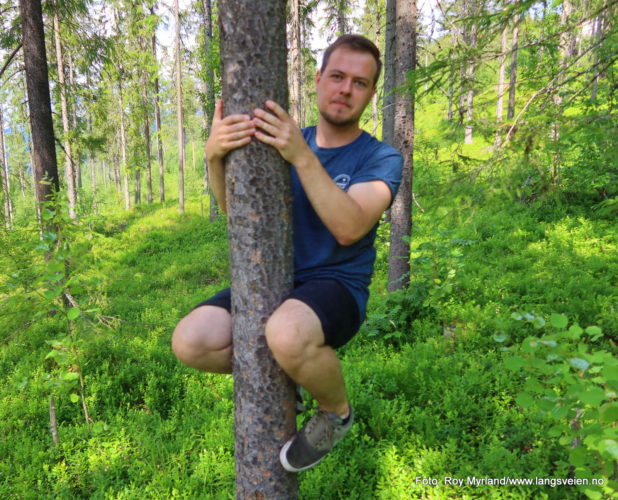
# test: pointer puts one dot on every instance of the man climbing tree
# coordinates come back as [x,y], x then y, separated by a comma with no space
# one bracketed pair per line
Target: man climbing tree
[342,181]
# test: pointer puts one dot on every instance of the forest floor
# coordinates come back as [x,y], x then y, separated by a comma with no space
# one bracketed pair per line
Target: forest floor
[438,412]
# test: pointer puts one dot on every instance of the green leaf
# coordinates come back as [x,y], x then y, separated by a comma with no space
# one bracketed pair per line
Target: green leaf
[610,447]
[52,294]
[559,412]
[592,397]
[514,363]
[73,313]
[579,364]
[578,457]
[500,336]
[530,344]
[538,322]
[556,430]
[533,385]
[610,372]
[593,330]
[70,376]
[74,397]
[525,400]
[609,413]
[576,331]
[549,343]
[559,321]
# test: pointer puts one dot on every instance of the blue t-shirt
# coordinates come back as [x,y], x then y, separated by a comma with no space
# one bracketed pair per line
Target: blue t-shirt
[316,252]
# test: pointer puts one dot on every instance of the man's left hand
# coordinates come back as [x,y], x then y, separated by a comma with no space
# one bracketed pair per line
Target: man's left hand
[279,130]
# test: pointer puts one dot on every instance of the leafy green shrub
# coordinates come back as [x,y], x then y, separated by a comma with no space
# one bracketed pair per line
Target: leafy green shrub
[572,381]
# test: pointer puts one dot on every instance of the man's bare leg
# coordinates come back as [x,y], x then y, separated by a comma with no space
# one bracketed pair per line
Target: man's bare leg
[203,339]
[294,335]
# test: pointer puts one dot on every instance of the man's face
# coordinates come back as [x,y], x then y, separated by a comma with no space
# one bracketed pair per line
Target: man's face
[346,86]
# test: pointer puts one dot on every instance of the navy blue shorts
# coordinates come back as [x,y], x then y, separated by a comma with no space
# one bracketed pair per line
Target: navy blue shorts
[331,301]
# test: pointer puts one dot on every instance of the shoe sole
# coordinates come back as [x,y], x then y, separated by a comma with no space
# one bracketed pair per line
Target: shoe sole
[289,467]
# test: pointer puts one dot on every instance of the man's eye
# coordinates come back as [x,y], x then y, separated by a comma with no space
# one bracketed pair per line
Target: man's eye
[361,84]
[336,77]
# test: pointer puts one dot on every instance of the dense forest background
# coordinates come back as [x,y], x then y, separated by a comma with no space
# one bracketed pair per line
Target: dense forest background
[496,358]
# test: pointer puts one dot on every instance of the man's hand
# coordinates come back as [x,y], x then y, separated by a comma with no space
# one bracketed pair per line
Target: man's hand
[226,134]
[280,131]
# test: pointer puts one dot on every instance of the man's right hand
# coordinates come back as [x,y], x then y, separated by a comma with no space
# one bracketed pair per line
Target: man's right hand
[226,134]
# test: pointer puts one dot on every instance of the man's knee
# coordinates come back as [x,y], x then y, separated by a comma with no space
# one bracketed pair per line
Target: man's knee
[292,332]
[205,329]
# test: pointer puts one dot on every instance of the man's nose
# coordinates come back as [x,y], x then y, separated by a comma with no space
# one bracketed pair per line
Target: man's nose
[346,86]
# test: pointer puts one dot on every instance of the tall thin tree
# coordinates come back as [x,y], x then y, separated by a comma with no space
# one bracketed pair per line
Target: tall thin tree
[158,120]
[388,111]
[39,102]
[254,69]
[179,114]
[6,180]
[66,128]
[401,211]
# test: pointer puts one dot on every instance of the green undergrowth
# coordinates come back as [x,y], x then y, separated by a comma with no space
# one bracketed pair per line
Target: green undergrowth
[427,374]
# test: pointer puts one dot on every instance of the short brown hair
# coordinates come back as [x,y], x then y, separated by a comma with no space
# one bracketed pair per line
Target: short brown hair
[358,43]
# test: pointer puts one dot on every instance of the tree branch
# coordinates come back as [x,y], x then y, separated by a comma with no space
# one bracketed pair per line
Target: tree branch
[9,59]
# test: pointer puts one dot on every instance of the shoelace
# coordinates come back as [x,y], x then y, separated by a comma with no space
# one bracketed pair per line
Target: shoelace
[322,426]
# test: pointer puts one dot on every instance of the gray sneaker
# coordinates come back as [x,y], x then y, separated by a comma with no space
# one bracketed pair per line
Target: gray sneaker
[314,441]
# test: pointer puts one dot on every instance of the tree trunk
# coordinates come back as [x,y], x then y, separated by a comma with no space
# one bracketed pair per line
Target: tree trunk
[501,87]
[596,37]
[388,110]
[66,129]
[158,122]
[510,113]
[342,21]
[401,211]
[137,193]
[295,63]
[147,143]
[39,102]
[566,51]
[6,181]
[253,57]
[471,70]
[77,168]
[123,151]
[451,92]
[209,97]
[179,116]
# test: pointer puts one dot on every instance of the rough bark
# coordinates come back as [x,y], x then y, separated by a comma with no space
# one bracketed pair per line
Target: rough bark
[388,111]
[39,102]
[66,128]
[253,57]
[401,211]
[179,115]
[6,180]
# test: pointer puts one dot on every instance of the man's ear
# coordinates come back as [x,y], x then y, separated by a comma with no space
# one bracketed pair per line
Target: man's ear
[318,75]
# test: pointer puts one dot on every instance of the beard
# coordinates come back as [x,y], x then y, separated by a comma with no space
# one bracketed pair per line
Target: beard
[340,122]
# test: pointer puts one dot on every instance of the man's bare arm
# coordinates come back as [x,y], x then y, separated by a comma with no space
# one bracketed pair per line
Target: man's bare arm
[348,216]
[226,134]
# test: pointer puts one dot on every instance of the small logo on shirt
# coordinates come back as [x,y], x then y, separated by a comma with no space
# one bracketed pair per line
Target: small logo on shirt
[343,181]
